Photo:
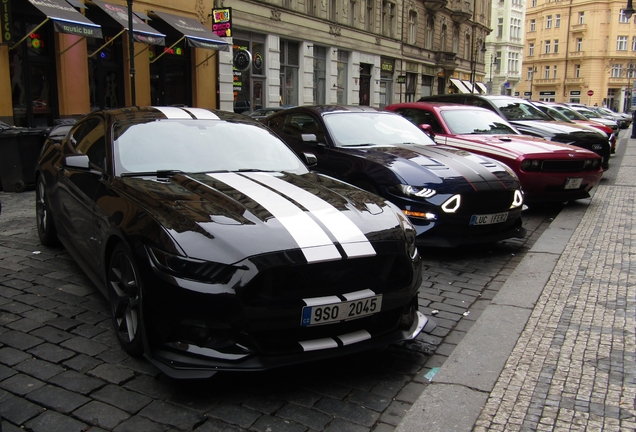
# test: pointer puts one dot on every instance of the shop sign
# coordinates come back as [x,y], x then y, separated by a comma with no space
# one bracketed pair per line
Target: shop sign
[5,22]
[401,79]
[242,58]
[575,93]
[258,61]
[222,22]
[387,65]
[547,93]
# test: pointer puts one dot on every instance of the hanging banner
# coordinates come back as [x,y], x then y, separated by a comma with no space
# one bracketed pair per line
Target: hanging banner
[5,22]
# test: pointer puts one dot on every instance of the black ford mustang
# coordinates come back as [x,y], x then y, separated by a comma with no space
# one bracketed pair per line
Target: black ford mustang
[451,196]
[218,249]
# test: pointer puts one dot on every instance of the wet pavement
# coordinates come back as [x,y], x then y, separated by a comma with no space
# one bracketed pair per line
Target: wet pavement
[61,368]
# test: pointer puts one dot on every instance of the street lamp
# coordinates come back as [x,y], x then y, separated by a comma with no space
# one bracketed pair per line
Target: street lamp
[131,50]
[629,10]
[628,92]
[473,71]
[492,62]
[532,72]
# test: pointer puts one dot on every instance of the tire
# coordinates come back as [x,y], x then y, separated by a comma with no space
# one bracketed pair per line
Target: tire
[44,218]
[124,293]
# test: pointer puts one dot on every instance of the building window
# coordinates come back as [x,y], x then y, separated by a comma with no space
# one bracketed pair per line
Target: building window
[554,71]
[515,28]
[533,25]
[311,7]
[341,81]
[442,38]
[353,5]
[289,62]
[412,35]
[513,62]
[456,40]
[621,43]
[633,43]
[534,3]
[500,27]
[368,18]
[577,71]
[388,17]
[467,47]
[333,10]
[430,31]
[320,74]
[622,18]
[547,46]
[579,44]
[581,17]
[548,22]
[556,46]
[529,75]
[531,49]
[617,70]
[557,21]
[546,72]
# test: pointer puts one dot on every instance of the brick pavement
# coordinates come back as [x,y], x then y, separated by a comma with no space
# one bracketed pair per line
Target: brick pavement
[61,368]
[563,344]
[574,366]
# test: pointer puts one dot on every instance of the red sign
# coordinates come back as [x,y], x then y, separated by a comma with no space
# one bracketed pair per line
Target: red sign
[590,92]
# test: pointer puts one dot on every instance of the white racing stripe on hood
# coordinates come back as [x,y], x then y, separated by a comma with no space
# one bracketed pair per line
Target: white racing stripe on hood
[310,237]
[347,233]
[201,113]
[174,113]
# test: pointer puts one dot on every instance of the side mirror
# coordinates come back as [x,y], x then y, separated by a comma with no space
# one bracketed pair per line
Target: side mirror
[80,161]
[427,129]
[310,159]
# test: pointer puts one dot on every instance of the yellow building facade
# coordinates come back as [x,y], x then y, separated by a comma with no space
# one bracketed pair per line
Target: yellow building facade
[579,51]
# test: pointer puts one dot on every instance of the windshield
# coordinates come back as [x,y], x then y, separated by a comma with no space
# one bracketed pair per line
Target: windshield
[589,114]
[517,109]
[197,146]
[555,114]
[349,129]
[463,122]
[569,113]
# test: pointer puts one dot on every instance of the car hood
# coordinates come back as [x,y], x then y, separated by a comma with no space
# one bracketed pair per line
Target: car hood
[446,168]
[227,217]
[514,146]
[562,130]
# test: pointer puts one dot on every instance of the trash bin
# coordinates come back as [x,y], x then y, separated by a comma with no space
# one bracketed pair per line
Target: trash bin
[19,152]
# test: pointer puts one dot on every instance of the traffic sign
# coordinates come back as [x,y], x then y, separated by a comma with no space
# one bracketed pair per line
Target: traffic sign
[590,92]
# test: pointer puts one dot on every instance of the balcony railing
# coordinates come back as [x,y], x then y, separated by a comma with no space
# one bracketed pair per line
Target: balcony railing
[446,60]
[575,80]
[577,28]
[435,5]
[577,54]
[546,81]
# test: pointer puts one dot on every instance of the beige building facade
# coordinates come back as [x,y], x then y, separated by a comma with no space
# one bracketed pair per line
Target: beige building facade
[271,53]
[579,51]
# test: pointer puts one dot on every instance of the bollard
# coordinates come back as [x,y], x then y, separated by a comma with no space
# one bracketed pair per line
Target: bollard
[634,124]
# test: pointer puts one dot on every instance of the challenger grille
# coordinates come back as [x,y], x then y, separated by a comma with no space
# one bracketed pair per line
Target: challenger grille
[566,165]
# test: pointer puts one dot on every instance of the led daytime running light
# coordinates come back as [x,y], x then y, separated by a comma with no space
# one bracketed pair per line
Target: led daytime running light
[452,204]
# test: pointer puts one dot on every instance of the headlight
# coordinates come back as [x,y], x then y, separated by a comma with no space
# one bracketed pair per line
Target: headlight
[409,235]
[188,268]
[517,200]
[414,191]
[530,165]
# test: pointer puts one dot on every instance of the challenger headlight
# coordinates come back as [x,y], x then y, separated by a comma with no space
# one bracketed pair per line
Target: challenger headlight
[188,268]
[415,191]
[531,165]
[517,200]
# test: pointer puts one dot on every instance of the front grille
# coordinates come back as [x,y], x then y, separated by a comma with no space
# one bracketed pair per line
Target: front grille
[565,165]
[379,273]
[484,202]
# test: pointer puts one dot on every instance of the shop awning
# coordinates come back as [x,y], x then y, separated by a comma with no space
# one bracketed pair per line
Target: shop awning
[472,88]
[460,85]
[142,32]
[195,34]
[66,19]
[482,88]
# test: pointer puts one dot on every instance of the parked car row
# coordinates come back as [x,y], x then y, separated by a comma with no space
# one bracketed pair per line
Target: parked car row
[225,243]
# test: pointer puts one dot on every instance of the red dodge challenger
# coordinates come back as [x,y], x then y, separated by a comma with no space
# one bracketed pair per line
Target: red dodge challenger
[548,171]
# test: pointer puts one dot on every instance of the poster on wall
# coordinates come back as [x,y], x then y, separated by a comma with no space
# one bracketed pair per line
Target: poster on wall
[222,22]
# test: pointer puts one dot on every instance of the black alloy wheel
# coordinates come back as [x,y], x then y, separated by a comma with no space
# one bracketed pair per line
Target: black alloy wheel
[124,291]
[44,218]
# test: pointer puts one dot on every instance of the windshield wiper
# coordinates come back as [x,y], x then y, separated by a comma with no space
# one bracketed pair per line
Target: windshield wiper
[158,173]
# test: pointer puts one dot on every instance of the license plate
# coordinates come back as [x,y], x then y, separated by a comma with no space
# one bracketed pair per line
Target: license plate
[488,218]
[573,183]
[324,314]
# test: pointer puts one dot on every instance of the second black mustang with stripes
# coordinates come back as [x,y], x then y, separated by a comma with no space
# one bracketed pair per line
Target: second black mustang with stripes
[218,249]
[451,196]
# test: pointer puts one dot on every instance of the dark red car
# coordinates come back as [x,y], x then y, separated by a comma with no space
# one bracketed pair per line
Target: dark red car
[548,171]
